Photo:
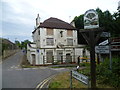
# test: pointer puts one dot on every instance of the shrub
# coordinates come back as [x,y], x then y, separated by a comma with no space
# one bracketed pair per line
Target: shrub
[107,76]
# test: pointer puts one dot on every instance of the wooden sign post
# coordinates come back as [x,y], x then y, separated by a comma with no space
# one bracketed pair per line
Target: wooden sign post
[91,33]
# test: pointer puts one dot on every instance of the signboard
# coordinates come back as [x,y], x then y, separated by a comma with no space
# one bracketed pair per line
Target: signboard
[104,42]
[80,77]
[102,49]
[115,40]
[91,19]
[115,47]
[105,34]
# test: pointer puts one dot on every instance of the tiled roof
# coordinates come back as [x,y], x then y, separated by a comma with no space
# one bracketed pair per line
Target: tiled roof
[56,24]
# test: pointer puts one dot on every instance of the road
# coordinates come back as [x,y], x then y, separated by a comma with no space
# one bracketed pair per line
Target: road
[13,76]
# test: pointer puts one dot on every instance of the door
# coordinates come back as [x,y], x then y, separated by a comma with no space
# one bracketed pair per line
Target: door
[33,59]
[60,56]
[68,58]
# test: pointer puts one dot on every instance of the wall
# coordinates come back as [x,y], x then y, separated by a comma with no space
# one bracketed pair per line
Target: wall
[8,53]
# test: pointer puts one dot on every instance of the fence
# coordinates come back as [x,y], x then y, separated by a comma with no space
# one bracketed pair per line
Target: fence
[58,59]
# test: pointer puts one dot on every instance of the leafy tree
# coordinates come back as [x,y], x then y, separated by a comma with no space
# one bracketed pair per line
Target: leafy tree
[24,44]
[18,44]
[106,19]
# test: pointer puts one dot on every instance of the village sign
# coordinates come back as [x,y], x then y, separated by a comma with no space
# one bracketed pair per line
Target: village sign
[91,19]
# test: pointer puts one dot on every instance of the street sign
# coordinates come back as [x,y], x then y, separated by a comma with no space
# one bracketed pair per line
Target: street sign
[104,42]
[80,77]
[115,47]
[102,49]
[105,34]
[91,19]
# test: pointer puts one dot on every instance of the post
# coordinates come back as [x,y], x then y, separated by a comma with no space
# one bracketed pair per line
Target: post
[70,79]
[61,59]
[92,60]
[98,59]
[110,56]
[78,60]
[43,59]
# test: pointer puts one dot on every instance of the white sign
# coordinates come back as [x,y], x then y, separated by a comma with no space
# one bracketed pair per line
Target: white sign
[105,34]
[91,19]
[104,42]
[102,49]
[80,77]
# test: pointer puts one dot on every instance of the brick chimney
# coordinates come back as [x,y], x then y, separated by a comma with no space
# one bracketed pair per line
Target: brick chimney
[38,20]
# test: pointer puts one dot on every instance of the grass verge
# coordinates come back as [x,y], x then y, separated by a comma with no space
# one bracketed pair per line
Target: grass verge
[63,80]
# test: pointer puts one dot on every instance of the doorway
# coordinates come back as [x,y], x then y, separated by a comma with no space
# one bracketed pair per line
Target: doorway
[60,56]
[68,58]
[33,59]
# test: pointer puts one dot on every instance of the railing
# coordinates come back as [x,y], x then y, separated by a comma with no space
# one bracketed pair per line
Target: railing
[58,59]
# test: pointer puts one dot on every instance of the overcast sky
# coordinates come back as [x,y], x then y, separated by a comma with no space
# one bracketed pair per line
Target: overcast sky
[18,16]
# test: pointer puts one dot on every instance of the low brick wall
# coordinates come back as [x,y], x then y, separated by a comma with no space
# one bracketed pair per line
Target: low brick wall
[8,53]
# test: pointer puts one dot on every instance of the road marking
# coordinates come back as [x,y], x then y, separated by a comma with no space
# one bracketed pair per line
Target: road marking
[57,68]
[26,68]
[45,82]
[40,85]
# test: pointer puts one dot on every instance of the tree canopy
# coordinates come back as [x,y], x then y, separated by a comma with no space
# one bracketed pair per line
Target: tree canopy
[111,23]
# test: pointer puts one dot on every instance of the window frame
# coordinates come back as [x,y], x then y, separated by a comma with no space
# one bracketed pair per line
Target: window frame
[48,41]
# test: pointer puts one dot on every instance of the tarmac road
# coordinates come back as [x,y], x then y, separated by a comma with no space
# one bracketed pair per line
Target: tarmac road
[13,76]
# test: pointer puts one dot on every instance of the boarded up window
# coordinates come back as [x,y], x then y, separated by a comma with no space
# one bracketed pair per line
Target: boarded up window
[49,56]
[69,41]
[69,32]
[49,31]
[49,41]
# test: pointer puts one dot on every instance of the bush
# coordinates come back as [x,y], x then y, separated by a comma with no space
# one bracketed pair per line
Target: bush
[107,76]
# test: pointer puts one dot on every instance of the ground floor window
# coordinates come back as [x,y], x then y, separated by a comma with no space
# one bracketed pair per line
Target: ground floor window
[49,56]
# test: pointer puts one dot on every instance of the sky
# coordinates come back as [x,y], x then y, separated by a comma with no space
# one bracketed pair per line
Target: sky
[17,20]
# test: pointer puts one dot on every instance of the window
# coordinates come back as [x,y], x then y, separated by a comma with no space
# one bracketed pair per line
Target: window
[69,32]
[69,41]
[49,56]
[49,31]
[49,41]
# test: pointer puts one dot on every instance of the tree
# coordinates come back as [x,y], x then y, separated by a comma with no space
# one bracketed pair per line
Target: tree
[24,44]
[17,43]
[106,19]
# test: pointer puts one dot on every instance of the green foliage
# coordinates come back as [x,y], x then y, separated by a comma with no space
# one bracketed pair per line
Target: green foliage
[107,76]
[106,19]
[24,44]
[85,71]
[18,43]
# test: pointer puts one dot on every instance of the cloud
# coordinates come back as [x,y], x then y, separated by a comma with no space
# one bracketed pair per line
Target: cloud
[18,16]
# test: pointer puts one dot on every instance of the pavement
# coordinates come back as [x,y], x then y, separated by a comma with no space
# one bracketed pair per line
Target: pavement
[13,76]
